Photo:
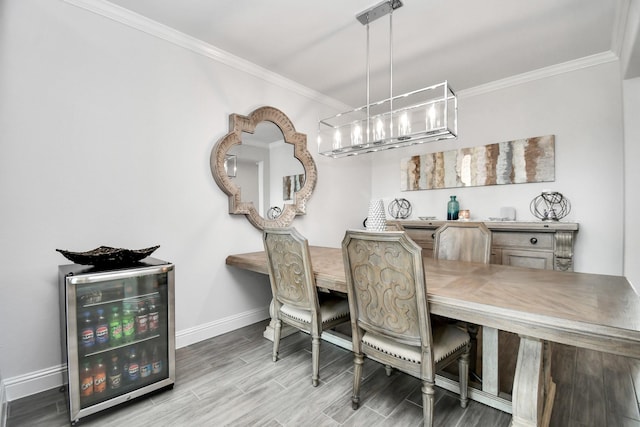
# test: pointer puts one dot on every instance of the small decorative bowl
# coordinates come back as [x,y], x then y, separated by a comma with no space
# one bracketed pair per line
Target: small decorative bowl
[108,256]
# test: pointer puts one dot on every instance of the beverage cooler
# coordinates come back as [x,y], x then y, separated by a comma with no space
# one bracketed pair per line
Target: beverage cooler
[118,333]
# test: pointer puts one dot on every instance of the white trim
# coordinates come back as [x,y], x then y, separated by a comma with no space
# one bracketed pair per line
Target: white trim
[541,73]
[628,40]
[619,26]
[3,403]
[337,338]
[139,22]
[221,326]
[49,378]
[34,382]
[498,402]
[156,29]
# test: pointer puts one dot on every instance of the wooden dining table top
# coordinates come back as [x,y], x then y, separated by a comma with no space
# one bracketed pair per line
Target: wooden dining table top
[600,312]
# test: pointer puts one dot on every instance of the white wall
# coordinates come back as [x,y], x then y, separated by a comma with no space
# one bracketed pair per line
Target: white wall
[106,133]
[632,178]
[583,109]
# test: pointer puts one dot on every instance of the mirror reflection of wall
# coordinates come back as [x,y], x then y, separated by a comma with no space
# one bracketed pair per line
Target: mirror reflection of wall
[247,178]
[263,160]
[283,164]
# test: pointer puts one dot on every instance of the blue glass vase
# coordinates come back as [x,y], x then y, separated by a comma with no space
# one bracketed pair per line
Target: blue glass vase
[453,208]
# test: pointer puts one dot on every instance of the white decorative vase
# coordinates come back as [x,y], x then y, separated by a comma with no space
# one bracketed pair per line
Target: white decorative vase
[376,220]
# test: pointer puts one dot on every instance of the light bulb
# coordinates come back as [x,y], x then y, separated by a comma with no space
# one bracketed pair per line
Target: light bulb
[356,134]
[431,117]
[378,134]
[337,140]
[404,127]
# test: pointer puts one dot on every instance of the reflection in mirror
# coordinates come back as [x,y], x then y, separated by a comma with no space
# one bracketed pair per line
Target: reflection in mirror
[275,173]
[230,165]
[265,167]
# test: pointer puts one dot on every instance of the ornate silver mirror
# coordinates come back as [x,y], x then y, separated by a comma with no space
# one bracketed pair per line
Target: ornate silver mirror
[263,165]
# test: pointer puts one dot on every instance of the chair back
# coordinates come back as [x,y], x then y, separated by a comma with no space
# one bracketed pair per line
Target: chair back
[463,241]
[290,270]
[386,286]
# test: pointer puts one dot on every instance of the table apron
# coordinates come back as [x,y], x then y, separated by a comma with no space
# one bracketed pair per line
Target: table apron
[605,342]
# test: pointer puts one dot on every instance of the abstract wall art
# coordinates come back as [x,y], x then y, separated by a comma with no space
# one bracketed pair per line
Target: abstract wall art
[511,162]
[291,184]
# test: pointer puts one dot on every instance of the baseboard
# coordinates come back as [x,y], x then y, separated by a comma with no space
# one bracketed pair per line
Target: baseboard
[34,382]
[218,327]
[3,403]
[50,378]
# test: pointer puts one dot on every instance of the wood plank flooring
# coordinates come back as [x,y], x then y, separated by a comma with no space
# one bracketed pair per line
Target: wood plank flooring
[230,380]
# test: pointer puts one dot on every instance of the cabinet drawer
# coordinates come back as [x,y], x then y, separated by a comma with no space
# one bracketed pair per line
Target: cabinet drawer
[523,240]
[422,236]
[529,259]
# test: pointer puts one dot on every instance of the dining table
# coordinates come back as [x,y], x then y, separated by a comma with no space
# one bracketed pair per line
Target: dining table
[593,311]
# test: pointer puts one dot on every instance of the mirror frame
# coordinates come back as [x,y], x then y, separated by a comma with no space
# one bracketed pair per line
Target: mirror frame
[238,124]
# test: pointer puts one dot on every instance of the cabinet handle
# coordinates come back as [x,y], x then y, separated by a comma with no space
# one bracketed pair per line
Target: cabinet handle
[433,235]
[533,240]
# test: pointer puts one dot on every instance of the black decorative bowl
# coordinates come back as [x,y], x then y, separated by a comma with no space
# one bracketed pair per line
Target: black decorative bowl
[108,256]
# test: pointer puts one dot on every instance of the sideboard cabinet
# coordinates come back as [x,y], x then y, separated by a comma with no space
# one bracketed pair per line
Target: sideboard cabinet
[544,245]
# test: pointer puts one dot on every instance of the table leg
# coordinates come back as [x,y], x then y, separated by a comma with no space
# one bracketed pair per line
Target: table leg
[285,331]
[533,388]
[490,366]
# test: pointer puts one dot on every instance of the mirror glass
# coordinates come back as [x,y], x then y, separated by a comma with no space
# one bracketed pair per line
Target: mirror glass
[263,165]
[266,170]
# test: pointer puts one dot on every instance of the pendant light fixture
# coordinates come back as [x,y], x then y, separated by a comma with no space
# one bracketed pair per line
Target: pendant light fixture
[423,115]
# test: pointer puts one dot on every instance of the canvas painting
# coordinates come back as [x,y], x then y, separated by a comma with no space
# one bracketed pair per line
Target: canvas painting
[511,162]
[291,184]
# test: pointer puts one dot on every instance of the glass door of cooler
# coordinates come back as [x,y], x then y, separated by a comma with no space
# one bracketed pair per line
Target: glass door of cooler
[120,336]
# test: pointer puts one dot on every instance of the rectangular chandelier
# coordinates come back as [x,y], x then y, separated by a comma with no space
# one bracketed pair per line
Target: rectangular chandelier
[423,115]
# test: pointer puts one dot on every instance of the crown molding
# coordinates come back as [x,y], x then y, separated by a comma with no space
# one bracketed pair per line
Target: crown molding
[629,40]
[134,20]
[541,73]
[619,26]
[131,19]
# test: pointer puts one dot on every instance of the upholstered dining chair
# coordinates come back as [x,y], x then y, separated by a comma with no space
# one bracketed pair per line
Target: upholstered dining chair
[296,300]
[463,241]
[470,242]
[390,319]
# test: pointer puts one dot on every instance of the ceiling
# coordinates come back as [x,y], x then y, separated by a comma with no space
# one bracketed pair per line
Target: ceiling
[321,45]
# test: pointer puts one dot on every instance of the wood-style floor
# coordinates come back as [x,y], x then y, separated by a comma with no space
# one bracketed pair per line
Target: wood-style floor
[231,380]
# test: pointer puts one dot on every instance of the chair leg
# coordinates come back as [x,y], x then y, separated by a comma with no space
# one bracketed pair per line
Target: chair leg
[427,402]
[473,355]
[358,361]
[276,339]
[388,369]
[463,372]
[315,359]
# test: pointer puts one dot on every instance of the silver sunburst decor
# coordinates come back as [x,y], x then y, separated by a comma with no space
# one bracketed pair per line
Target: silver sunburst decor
[550,206]
[400,208]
